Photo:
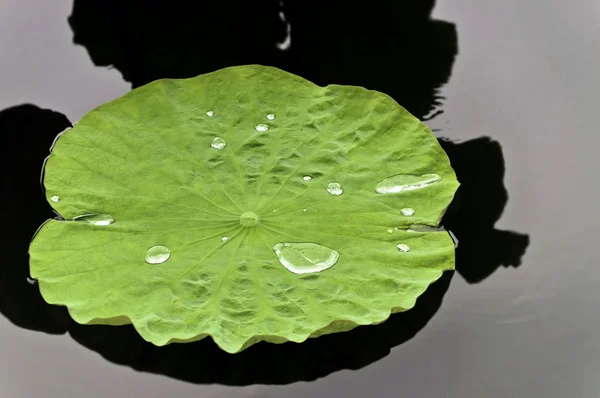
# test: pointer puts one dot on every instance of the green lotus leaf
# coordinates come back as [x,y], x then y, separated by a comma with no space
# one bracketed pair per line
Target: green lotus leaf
[246,204]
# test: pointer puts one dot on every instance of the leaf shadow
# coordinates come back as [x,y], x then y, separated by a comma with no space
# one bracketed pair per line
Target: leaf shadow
[391,46]
[478,205]
[27,133]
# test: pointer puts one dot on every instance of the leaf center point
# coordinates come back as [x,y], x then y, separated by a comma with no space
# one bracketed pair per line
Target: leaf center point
[248,219]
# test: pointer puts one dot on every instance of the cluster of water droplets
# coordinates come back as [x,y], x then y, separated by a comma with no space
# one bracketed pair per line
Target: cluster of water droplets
[297,257]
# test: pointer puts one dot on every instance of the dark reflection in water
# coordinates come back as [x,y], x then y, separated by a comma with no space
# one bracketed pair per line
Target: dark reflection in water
[391,46]
[478,205]
[27,133]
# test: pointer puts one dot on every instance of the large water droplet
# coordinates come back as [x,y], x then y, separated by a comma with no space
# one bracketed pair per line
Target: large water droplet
[304,258]
[407,211]
[218,143]
[210,113]
[307,178]
[335,188]
[96,219]
[157,255]
[403,248]
[225,238]
[55,198]
[248,219]
[261,127]
[406,182]
[271,116]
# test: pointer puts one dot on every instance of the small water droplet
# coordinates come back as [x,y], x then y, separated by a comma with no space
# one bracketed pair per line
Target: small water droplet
[407,211]
[210,113]
[96,219]
[307,178]
[31,281]
[403,248]
[271,116]
[261,127]
[406,182]
[335,188]
[157,254]
[390,230]
[304,209]
[225,238]
[218,143]
[55,198]
[304,258]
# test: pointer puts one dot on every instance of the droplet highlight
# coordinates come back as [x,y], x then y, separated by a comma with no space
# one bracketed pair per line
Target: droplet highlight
[307,178]
[403,248]
[335,188]
[407,211]
[210,113]
[261,127]
[225,238]
[304,258]
[31,281]
[157,255]
[271,116]
[218,143]
[95,219]
[406,182]
[55,198]
[389,231]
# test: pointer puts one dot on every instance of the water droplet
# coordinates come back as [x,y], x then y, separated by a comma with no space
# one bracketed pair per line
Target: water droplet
[225,238]
[406,182]
[403,248]
[210,113]
[96,219]
[390,230]
[335,188]
[218,143]
[304,209]
[303,258]
[248,219]
[261,127]
[157,255]
[271,116]
[307,178]
[425,228]
[407,211]
[55,198]
[31,281]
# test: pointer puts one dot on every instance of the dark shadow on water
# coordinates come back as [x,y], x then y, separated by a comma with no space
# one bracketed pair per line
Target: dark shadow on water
[27,133]
[479,203]
[391,46]
[263,363]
